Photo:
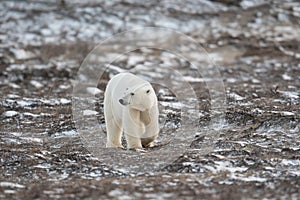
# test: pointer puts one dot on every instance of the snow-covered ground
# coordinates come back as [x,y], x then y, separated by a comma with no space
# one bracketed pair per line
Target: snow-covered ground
[250,152]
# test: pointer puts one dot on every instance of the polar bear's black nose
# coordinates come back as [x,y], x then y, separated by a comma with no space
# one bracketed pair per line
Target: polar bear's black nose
[121,101]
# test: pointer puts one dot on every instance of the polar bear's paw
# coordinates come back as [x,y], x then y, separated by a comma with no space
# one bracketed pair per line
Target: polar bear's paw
[148,142]
[138,150]
[110,145]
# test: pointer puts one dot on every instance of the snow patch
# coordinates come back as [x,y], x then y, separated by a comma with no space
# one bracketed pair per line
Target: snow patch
[43,166]
[249,178]
[36,84]
[89,112]
[284,113]
[175,105]
[31,114]
[93,90]
[21,54]
[196,79]
[290,162]
[134,59]
[71,133]
[251,3]
[24,103]
[286,77]
[292,95]
[10,113]
[54,102]
[31,139]
[65,101]
[236,97]
[10,184]
[16,67]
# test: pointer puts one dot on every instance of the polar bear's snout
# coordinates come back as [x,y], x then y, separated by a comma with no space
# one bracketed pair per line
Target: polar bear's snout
[123,102]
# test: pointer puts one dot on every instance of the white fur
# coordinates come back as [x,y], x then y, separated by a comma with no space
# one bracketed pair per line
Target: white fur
[130,105]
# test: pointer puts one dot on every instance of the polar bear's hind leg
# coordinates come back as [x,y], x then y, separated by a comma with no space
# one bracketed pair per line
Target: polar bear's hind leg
[148,142]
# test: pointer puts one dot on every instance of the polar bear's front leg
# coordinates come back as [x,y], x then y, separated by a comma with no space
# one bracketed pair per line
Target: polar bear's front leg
[133,142]
[152,129]
[133,128]
[133,136]
[114,134]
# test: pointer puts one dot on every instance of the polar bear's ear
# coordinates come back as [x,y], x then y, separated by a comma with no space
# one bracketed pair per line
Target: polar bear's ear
[145,117]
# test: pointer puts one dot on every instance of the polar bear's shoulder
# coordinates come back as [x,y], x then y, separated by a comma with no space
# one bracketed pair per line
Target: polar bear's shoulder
[128,79]
[124,75]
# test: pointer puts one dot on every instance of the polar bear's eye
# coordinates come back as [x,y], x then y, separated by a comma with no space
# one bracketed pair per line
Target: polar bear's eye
[131,93]
[148,91]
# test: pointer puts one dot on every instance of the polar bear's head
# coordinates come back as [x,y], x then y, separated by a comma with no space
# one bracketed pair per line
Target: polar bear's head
[140,98]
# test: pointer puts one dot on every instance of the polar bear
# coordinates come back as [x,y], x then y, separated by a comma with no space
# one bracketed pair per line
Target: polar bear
[130,106]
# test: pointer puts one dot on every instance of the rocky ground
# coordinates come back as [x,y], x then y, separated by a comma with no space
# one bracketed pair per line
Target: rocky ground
[254,149]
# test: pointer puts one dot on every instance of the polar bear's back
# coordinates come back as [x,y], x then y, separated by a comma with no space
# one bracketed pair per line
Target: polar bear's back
[122,83]
[127,79]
